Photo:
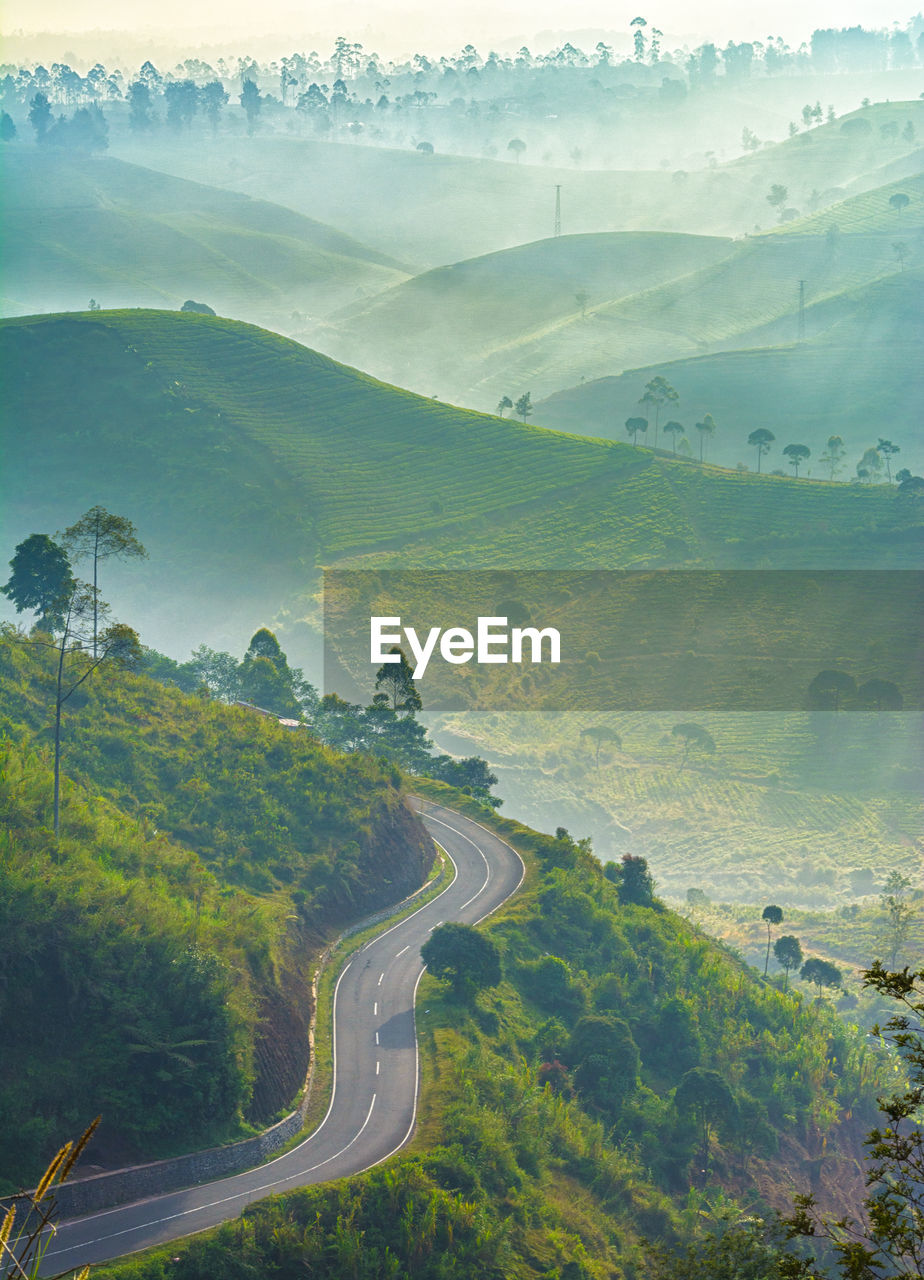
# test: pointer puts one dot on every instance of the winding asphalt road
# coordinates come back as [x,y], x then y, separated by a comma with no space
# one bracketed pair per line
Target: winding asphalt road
[374,1102]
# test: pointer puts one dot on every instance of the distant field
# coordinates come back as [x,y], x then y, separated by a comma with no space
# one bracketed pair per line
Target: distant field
[432,210]
[244,457]
[567,311]
[777,814]
[860,379]
[82,227]
[467,329]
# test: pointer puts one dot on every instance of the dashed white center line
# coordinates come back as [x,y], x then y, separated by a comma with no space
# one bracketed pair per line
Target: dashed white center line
[381,976]
[375,1009]
[403,949]
[377,1068]
[376,1037]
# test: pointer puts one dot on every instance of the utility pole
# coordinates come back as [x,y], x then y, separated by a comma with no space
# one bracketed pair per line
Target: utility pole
[801,310]
[557,209]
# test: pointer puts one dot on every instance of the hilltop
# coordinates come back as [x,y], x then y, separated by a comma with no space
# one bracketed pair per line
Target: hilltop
[241,455]
[572,309]
[858,376]
[93,226]
[442,208]
[522,318]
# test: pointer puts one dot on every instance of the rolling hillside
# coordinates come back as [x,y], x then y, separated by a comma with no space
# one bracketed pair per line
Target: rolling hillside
[573,309]
[467,329]
[859,379]
[244,457]
[81,227]
[436,209]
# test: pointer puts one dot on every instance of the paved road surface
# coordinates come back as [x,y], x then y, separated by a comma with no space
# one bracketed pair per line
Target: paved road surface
[374,1101]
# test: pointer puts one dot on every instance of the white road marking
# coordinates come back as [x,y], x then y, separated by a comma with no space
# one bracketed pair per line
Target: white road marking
[375,1009]
[403,949]
[381,976]
[377,1068]
[376,1037]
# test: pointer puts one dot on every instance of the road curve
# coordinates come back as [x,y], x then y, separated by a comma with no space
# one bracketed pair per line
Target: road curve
[374,1101]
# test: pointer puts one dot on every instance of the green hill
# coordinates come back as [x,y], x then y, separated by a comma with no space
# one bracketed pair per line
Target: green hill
[159,954]
[577,308]
[243,457]
[860,379]
[468,329]
[94,226]
[436,209]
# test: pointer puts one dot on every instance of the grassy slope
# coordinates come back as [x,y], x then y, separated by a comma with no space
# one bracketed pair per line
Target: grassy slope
[857,377]
[464,328]
[783,812]
[510,321]
[82,226]
[200,428]
[506,1179]
[187,827]
[440,209]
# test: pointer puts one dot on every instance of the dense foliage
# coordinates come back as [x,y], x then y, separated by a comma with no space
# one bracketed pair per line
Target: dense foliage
[202,850]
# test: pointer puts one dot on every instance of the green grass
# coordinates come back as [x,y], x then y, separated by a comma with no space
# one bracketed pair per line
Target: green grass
[96,226]
[466,329]
[857,376]
[242,456]
[783,812]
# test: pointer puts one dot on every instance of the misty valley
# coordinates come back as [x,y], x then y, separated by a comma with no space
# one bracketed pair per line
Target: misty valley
[604,959]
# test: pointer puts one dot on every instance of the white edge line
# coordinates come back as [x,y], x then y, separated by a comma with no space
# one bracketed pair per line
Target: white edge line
[268,1186]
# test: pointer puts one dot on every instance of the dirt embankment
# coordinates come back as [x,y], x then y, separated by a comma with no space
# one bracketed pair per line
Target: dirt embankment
[395,859]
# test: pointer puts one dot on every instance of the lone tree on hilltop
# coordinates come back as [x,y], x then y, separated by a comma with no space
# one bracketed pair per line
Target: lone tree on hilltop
[634,426]
[821,972]
[463,957]
[887,450]
[761,440]
[797,454]
[787,951]
[773,915]
[899,201]
[41,581]
[673,429]
[705,429]
[395,687]
[693,737]
[517,146]
[102,536]
[833,455]
[504,403]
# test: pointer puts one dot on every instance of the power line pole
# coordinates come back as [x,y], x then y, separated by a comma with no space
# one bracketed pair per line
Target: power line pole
[557,209]
[801,310]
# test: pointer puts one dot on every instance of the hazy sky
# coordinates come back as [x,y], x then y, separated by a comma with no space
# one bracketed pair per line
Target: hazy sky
[396,26]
